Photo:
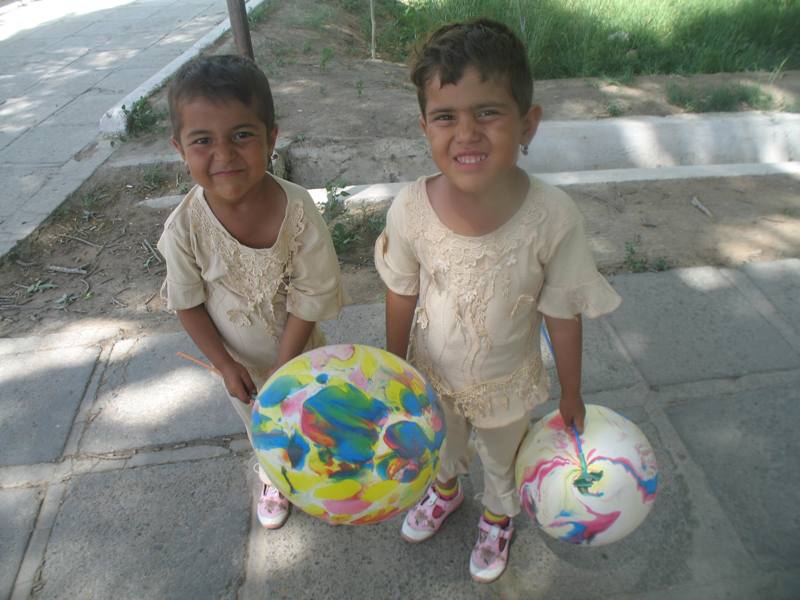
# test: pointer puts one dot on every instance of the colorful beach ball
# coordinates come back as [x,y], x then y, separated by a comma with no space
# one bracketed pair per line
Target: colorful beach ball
[349,433]
[592,489]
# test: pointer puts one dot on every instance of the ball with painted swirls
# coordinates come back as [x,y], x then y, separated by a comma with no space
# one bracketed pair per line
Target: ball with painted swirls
[591,489]
[349,433]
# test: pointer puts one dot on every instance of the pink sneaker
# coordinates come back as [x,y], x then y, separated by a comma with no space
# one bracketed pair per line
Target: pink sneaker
[427,516]
[490,554]
[273,508]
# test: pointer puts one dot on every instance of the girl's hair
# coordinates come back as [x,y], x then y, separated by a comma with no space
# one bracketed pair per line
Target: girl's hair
[218,78]
[489,46]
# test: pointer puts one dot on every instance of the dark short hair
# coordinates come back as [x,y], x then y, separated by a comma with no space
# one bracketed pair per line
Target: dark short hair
[489,46]
[223,77]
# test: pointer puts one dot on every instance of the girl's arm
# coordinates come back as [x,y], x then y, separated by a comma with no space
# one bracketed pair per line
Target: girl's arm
[399,315]
[198,324]
[293,339]
[566,336]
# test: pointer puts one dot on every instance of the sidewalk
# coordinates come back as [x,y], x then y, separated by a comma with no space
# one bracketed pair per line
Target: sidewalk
[125,473]
[62,65]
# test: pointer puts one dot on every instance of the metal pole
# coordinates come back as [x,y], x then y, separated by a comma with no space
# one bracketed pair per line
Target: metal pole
[240,26]
[372,19]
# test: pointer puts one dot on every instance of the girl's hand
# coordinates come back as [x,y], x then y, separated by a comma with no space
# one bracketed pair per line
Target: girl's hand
[238,382]
[572,411]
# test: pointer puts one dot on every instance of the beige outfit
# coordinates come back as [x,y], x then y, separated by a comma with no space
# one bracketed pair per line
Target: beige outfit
[481,301]
[248,292]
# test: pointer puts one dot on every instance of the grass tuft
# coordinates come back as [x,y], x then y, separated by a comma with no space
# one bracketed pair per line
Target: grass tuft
[728,98]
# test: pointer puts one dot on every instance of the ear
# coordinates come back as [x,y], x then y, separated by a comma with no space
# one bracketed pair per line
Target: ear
[272,139]
[177,145]
[531,122]
[423,124]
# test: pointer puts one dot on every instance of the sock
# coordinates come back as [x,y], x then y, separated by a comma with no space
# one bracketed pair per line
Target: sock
[446,493]
[493,519]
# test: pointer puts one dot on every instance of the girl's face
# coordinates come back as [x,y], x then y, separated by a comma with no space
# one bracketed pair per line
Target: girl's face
[226,145]
[475,131]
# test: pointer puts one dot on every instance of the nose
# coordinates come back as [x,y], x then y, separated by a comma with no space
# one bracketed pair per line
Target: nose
[225,149]
[466,129]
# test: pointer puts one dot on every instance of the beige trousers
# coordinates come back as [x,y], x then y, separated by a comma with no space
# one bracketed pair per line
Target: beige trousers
[497,448]
[244,412]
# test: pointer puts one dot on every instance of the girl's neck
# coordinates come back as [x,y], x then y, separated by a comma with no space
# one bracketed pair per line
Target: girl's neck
[254,220]
[478,214]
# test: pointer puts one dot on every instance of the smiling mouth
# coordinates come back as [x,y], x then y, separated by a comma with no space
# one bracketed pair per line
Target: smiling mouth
[470,159]
[224,173]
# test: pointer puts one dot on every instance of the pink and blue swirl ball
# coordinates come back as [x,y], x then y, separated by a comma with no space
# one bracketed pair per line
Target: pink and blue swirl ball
[591,489]
[349,433]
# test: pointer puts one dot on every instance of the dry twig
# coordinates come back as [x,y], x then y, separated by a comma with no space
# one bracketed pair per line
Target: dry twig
[68,270]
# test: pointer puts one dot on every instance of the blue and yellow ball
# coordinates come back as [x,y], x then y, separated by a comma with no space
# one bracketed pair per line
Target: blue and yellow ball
[349,433]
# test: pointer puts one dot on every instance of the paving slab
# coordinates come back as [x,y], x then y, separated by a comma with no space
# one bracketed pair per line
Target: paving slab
[18,510]
[693,324]
[358,324]
[150,396]
[61,141]
[169,531]
[312,559]
[20,113]
[605,367]
[747,445]
[39,395]
[20,183]
[780,282]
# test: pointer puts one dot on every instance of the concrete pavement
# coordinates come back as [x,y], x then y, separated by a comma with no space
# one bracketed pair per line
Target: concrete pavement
[62,65]
[124,472]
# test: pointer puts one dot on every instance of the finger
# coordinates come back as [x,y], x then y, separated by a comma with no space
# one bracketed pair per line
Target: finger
[252,390]
[579,422]
[567,418]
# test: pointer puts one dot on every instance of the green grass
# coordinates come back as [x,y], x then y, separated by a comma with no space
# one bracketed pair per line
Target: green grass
[619,38]
[727,98]
[141,117]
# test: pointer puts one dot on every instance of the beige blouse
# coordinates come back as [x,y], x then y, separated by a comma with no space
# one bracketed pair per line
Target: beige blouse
[481,299]
[248,292]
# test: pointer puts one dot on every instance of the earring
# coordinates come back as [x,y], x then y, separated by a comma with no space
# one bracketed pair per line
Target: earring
[524,149]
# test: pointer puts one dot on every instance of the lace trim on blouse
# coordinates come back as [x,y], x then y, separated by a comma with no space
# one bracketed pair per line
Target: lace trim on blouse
[256,275]
[529,383]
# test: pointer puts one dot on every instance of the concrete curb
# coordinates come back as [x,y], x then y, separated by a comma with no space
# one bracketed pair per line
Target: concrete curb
[113,120]
[386,191]
[653,142]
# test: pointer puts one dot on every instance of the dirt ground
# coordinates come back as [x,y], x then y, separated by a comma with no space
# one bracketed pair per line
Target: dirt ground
[326,89]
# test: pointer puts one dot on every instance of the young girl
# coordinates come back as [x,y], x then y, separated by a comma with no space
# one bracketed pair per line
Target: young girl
[250,263]
[474,257]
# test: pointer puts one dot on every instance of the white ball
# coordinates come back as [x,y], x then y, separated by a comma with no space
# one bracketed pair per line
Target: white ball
[591,489]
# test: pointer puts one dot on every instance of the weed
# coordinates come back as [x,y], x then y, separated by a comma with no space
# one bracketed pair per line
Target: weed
[39,286]
[307,47]
[360,88]
[259,13]
[141,118]
[90,200]
[184,188]
[323,91]
[65,300]
[325,57]
[313,19]
[615,109]
[335,206]
[660,264]
[727,98]
[153,178]
[343,237]
[299,137]
[634,262]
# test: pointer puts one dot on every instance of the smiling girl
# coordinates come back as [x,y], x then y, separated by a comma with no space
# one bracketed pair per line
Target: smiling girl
[474,258]
[250,263]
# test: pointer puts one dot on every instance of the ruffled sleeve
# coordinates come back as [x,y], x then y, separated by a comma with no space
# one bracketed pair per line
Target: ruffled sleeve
[314,289]
[183,287]
[572,284]
[395,259]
